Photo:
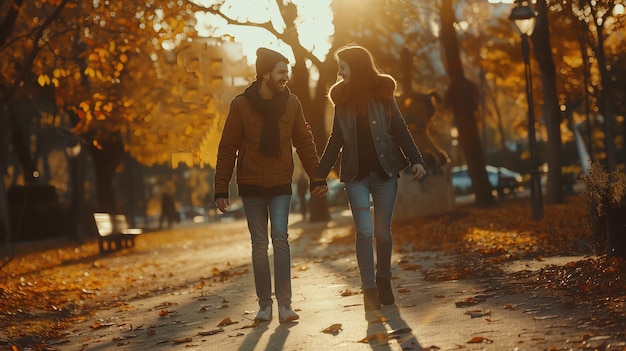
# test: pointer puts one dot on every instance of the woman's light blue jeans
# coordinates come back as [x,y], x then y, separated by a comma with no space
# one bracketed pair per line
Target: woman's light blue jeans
[383,196]
[257,210]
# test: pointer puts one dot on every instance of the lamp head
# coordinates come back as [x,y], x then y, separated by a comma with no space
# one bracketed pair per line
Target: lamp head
[523,16]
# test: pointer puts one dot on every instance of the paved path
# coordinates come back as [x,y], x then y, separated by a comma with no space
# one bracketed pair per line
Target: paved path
[185,289]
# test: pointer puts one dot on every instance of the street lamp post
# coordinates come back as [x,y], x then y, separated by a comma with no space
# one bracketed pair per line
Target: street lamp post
[523,16]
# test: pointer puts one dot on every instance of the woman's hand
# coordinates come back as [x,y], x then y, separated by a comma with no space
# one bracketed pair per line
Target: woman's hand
[419,172]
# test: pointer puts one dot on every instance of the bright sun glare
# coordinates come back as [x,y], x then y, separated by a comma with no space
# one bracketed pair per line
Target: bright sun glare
[314,26]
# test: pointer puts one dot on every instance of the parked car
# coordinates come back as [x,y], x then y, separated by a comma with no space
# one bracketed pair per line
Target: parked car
[503,181]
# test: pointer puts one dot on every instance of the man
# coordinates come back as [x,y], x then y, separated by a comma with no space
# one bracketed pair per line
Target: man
[263,125]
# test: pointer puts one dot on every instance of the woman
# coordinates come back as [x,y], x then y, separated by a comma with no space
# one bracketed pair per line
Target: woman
[375,145]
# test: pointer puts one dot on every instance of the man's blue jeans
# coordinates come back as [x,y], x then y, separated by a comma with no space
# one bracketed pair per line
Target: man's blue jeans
[383,196]
[257,210]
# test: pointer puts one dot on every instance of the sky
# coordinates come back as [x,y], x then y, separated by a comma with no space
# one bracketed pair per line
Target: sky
[314,25]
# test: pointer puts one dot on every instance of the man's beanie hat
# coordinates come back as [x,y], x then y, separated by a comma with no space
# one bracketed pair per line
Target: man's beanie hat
[266,59]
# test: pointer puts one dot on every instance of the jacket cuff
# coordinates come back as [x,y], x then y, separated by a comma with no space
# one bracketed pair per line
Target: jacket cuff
[419,162]
[221,196]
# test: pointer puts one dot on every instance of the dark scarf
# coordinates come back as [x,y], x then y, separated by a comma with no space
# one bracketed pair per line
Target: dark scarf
[271,111]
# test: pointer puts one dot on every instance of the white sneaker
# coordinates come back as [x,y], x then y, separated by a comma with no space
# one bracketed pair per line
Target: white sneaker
[264,314]
[286,314]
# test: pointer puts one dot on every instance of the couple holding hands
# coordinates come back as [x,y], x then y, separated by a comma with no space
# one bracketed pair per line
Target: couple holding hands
[263,126]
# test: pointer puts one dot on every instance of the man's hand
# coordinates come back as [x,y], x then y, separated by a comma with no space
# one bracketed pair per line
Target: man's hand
[319,191]
[222,203]
[419,172]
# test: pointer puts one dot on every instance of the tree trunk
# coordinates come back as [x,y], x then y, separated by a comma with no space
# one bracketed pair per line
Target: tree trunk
[106,159]
[314,107]
[21,146]
[5,227]
[606,104]
[551,111]
[78,214]
[615,232]
[462,97]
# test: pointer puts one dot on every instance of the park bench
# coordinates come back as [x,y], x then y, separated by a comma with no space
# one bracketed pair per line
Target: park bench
[114,231]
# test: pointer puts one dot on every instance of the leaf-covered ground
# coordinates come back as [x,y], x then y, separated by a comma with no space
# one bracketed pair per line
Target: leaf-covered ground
[37,290]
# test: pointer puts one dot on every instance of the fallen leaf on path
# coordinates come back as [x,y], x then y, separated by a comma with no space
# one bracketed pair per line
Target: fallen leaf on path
[210,332]
[478,313]
[225,322]
[183,340]
[479,340]
[470,301]
[204,308]
[254,324]
[101,325]
[163,305]
[545,317]
[375,337]
[510,306]
[163,313]
[333,329]
[348,292]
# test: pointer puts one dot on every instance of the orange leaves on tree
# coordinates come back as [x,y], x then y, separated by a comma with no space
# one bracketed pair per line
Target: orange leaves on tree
[43,80]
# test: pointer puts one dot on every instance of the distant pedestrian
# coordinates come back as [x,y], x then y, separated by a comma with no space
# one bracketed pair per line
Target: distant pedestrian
[375,145]
[168,211]
[263,125]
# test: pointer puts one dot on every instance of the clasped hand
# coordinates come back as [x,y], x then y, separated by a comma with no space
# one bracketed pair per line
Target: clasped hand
[319,191]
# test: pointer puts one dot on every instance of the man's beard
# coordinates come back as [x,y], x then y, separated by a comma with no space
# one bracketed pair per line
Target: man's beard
[275,87]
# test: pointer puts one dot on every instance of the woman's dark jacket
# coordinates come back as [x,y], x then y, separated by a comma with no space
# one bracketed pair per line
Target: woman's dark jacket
[394,144]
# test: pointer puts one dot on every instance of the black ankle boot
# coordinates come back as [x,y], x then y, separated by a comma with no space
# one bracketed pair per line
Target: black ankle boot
[370,299]
[385,294]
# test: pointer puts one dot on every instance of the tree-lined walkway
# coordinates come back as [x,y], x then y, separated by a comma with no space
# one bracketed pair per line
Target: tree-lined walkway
[472,279]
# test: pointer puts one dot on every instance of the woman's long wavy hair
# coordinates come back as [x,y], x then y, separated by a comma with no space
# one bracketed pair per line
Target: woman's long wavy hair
[364,82]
